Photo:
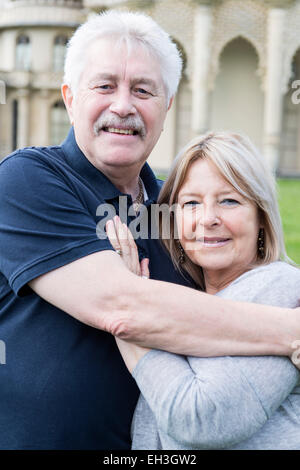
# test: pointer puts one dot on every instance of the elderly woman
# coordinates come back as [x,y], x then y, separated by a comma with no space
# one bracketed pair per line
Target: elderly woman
[223,204]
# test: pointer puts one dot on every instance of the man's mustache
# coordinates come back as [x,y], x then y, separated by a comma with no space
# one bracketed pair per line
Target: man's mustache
[134,123]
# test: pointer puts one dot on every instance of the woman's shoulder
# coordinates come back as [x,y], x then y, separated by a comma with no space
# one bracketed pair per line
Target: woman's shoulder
[276,283]
[276,270]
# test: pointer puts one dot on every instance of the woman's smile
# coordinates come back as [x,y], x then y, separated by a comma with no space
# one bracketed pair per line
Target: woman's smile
[218,226]
[214,242]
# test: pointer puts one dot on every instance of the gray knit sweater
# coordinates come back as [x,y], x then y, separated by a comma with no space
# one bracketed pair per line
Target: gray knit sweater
[223,402]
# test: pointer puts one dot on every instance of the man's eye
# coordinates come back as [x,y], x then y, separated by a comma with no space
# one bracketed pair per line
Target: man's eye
[142,91]
[229,202]
[104,87]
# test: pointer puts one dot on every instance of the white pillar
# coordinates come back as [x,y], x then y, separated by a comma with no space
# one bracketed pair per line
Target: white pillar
[42,118]
[273,107]
[23,118]
[200,89]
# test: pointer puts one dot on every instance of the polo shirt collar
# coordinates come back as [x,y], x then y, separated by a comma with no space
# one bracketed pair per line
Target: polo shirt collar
[78,161]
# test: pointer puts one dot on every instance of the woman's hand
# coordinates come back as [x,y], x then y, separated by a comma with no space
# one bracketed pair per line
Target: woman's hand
[123,242]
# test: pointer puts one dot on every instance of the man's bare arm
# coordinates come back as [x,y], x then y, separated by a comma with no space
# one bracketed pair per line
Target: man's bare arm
[99,291]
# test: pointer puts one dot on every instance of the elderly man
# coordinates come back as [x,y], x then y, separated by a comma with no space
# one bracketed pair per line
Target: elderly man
[64,291]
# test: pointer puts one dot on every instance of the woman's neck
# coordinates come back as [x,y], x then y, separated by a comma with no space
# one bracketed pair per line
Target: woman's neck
[215,281]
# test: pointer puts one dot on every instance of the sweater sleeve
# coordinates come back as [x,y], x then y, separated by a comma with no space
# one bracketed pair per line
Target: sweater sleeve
[216,405]
[210,403]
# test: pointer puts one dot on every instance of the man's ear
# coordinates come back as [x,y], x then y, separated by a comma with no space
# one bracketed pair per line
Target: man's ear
[170,103]
[68,100]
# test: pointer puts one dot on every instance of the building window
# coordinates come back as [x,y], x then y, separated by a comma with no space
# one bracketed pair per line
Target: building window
[59,123]
[23,53]
[59,52]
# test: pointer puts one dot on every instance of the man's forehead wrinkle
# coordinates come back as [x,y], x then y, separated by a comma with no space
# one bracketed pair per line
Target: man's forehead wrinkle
[103,76]
[125,64]
[145,81]
[125,49]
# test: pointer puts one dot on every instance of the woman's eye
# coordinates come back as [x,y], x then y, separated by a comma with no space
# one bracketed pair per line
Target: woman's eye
[229,202]
[191,203]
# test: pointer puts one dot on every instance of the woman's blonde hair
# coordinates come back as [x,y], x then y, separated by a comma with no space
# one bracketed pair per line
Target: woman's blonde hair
[241,165]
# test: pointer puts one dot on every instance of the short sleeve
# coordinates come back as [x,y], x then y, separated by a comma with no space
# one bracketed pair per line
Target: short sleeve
[44,224]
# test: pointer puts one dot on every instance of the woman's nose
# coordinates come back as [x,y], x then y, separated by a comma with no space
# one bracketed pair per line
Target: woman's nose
[209,215]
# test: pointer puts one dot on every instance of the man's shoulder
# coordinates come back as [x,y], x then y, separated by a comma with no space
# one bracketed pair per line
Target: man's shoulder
[32,153]
[32,159]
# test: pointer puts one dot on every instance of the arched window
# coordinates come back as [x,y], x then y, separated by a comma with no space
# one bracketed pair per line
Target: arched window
[23,53]
[59,123]
[59,51]
[238,87]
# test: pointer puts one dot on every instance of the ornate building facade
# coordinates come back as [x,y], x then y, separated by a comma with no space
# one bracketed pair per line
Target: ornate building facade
[241,62]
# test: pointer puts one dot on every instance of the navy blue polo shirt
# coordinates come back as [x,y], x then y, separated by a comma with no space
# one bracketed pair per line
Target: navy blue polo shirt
[64,384]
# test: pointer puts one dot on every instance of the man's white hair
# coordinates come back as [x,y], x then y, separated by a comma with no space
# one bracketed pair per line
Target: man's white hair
[134,28]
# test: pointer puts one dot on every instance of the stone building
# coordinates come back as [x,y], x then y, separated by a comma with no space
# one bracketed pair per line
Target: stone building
[242,60]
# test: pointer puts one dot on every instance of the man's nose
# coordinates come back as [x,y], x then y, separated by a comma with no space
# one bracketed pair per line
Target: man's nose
[123,104]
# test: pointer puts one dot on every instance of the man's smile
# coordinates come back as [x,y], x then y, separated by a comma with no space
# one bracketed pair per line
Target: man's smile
[115,130]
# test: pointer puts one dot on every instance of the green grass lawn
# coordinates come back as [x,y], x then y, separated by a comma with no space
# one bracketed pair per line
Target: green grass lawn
[289,202]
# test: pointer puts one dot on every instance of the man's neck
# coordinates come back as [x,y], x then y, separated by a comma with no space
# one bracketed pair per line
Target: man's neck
[129,187]
[124,178]
[126,181]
